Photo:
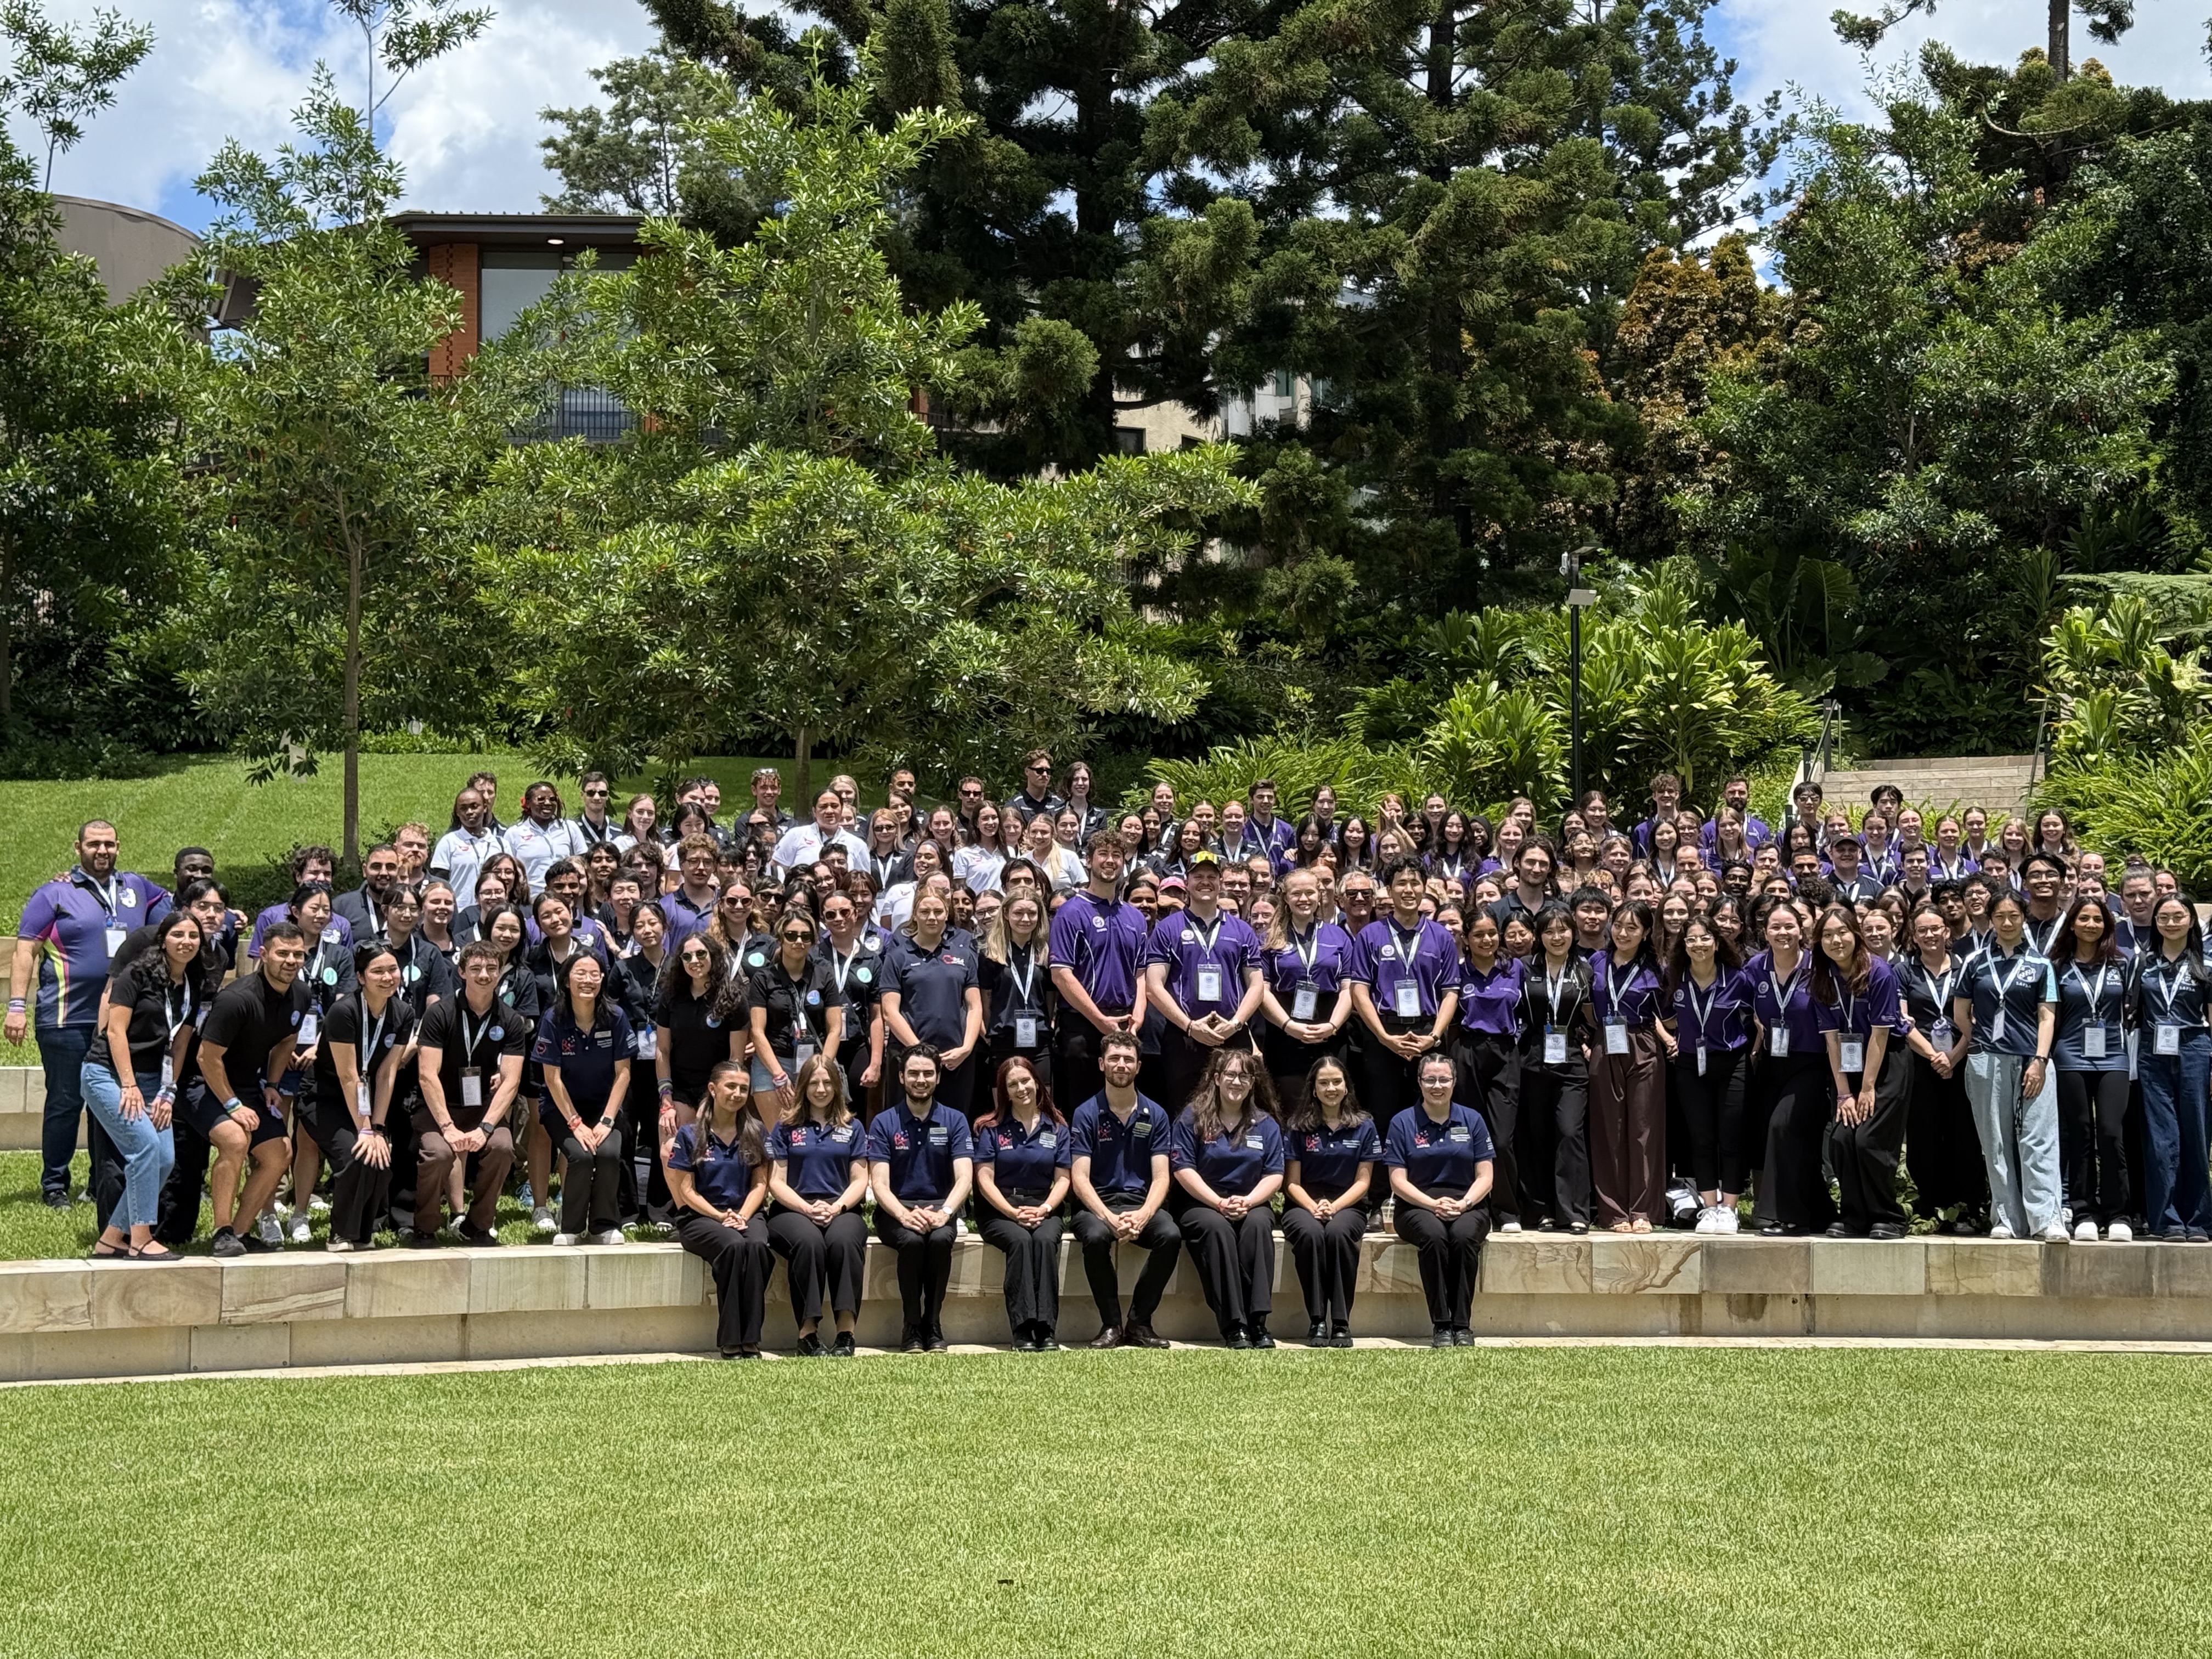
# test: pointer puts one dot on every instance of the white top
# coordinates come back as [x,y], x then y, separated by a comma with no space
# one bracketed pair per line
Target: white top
[460,857]
[802,844]
[538,846]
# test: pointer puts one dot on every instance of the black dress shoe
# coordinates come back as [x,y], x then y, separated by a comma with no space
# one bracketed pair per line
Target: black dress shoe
[1024,1345]
[1772,1229]
[1886,1230]
[1109,1337]
[1134,1336]
[935,1343]
[810,1345]
[1967,1227]
[1837,1230]
[1261,1339]
[1234,1338]
[1440,1337]
[1578,1227]
[1341,1338]
[843,1347]
[1317,1334]
[1046,1341]
[910,1341]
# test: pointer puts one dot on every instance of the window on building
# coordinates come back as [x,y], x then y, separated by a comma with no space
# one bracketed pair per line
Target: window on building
[1283,383]
[1129,439]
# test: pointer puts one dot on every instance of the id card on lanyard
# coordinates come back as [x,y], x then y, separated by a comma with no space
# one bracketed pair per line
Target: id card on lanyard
[1616,1029]
[1941,1033]
[178,1015]
[2165,1034]
[1778,1039]
[1702,1016]
[365,1060]
[472,1092]
[2093,1029]
[1850,1045]
[1407,999]
[1306,1000]
[2004,985]
[1555,1040]
[107,899]
[1207,975]
[1025,1021]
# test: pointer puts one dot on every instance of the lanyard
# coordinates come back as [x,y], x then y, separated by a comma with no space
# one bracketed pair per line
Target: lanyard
[1611,1012]
[1783,990]
[375,1033]
[178,1020]
[1940,995]
[2005,978]
[469,1039]
[800,1022]
[2050,935]
[1308,952]
[1023,982]
[1851,1011]
[1701,1014]
[841,969]
[1408,952]
[594,833]
[2169,984]
[2097,997]
[103,897]
[1553,984]
[1206,940]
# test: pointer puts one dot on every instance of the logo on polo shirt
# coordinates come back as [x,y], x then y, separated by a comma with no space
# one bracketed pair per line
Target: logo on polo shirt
[898,1140]
[127,898]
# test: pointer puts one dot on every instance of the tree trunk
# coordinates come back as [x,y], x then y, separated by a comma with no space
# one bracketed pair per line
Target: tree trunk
[804,781]
[2062,48]
[350,852]
[1444,48]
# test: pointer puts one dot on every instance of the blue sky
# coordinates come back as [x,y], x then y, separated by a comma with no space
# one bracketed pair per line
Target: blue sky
[467,129]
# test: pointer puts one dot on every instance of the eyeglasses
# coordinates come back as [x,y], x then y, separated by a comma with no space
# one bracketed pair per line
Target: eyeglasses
[797,939]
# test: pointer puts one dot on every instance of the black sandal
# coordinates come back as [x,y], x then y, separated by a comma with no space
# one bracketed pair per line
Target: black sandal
[155,1251]
[109,1252]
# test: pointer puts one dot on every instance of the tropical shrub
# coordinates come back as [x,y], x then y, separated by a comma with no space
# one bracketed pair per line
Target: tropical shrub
[2155,807]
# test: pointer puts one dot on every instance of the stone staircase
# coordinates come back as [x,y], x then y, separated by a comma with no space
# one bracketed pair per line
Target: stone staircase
[1998,784]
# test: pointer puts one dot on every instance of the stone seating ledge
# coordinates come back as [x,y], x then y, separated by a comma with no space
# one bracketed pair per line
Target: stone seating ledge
[80,1319]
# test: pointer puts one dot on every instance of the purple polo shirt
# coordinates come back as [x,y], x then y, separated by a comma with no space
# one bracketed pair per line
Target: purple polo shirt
[71,917]
[1757,832]
[1857,1016]
[1388,957]
[337,932]
[1491,1002]
[1186,945]
[1717,1017]
[1285,970]
[1277,835]
[1102,943]
[685,918]
[1795,1010]
[1628,996]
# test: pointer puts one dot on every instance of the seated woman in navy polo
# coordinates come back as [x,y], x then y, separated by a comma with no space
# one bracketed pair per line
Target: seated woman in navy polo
[1227,1155]
[1022,1154]
[1329,1187]
[921,1165]
[1439,1158]
[819,1176]
[585,1048]
[718,1176]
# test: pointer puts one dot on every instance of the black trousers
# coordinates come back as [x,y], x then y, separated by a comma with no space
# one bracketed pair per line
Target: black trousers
[1555,1145]
[642,1169]
[1161,1237]
[1865,1154]
[1327,1254]
[1490,1081]
[180,1193]
[1290,1061]
[1798,1096]
[1235,1260]
[925,1268]
[105,1175]
[357,1190]
[1451,1255]
[589,1191]
[1944,1149]
[739,1262]
[1032,1267]
[815,1253]
[2092,1111]
[1712,1115]
[1388,1085]
[1185,1058]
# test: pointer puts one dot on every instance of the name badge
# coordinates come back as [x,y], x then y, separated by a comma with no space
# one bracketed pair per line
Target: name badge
[1209,985]
[1142,1126]
[939,1135]
[1701,1060]
[168,1072]
[308,1028]
[1025,1032]
[1778,1043]
[2165,1040]
[2093,1042]
[1942,1033]
[472,1087]
[1616,1037]
[362,1101]
[802,1053]
[648,1047]
[115,937]
[1304,1001]
[1409,1000]
[1996,1027]
[1254,1144]
[1459,1133]
[1555,1048]
[1047,1138]
[1854,1054]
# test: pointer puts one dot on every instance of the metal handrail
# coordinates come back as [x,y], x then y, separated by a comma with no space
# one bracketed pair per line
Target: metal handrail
[1823,748]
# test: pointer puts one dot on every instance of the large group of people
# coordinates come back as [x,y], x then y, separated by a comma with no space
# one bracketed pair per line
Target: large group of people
[1176,1030]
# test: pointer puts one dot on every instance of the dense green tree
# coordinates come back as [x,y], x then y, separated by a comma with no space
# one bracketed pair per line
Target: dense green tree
[59,74]
[778,546]
[632,154]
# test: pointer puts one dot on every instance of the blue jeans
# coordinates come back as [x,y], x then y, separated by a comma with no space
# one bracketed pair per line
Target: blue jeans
[2177,1190]
[62,1049]
[148,1153]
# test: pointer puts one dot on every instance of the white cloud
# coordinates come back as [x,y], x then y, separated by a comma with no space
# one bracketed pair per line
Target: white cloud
[465,129]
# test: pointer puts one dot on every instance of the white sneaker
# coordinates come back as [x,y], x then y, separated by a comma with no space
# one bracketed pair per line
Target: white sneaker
[568,1238]
[2055,1233]
[2085,1232]
[269,1231]
[1726,1220]
[1998,1231]
[1709,1219]
[339,1247]
[300,1232]
[611,1236]
[318,1204]
[541,1220]
[2119,1233]
[1510,1227]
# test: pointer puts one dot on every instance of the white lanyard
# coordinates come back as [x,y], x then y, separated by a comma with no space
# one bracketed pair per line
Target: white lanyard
[1783,990]
[1023,982]
[2097,997]
[2050,935]
[104,897]
[1611,1013]
[469,1039]
[1851,1014]
[1206,940]
[177,1020]
[1700,1014]
[840,969]
[2170,985]
[1407,952]
[1308,952]
[1940,995]
[1552,985]
[375,1037]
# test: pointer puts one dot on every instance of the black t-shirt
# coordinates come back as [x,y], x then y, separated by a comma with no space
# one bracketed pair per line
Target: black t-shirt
[1003,1000]
[216,955]
[156,1007]
[348,1022]
[698,1041]
[424,973]
[249,1020]
[328,972]
[465,1038]
[798,1009]
[863,986]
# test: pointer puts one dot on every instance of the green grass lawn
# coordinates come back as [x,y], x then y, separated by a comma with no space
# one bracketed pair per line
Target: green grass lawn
[1511,1502]
[206,801]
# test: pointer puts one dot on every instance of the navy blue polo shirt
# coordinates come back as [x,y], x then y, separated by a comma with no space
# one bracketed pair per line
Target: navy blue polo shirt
[818,1158]
[2021,983]
[1186,945]
[585,1059]
[720,1172]
[933,988]
[1857,1016]
[1024,1163]
[1388,956]
[2091,997]
[1235,1161]
[1328,1159]
[920,1150]
[1717,1017]
[1121,1153]
[1438,1159]
[1793,1009]
[2170,994]
[1102,942]
[1491,1002]
[1332,951]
